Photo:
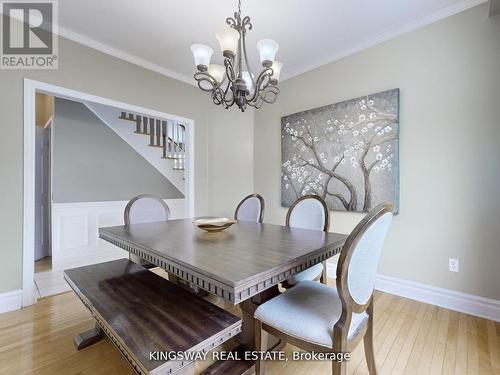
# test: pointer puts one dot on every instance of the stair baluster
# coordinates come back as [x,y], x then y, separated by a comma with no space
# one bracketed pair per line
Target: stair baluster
[164,138]
[151,131]
[158,133]
[170,137]
[138,120]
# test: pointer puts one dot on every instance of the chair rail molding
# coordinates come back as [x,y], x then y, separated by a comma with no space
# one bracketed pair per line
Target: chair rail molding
[10,301]
[30,88]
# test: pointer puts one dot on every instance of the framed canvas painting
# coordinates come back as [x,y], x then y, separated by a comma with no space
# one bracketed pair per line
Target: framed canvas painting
[347,153]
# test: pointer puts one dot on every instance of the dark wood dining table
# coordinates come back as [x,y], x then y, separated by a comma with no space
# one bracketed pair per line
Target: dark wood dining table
[242,265]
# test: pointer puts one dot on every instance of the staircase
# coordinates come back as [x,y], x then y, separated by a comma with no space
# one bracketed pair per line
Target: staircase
[168,135]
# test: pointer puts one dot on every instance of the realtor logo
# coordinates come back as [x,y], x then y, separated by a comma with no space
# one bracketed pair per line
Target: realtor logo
[29,35]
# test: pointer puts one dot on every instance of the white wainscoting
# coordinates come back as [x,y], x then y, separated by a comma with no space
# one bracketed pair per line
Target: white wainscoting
[75,231]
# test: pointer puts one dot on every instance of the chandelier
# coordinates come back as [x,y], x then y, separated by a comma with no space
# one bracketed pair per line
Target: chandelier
[234,83]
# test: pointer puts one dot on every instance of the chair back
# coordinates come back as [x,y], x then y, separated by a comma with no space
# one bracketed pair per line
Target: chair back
[360,256]
[308,212]
[251,208]
[146,209]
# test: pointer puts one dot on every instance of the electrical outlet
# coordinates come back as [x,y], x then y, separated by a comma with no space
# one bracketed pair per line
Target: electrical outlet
[453,265]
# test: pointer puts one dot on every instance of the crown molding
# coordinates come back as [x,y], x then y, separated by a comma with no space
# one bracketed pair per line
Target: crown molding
[394,33]
[377,39]
[122,55]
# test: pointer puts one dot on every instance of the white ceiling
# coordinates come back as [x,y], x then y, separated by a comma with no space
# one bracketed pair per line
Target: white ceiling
[157,33]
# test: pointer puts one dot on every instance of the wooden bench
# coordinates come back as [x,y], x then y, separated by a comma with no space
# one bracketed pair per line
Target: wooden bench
[141,312]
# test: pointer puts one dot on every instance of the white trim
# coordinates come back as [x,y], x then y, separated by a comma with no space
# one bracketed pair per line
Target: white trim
[10,301]
[122,55]
[394,33]
[28,294]
[487,308]
[30,88]
[377,39]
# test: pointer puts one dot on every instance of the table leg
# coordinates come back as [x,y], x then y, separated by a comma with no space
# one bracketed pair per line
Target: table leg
[247,337]
[88,338]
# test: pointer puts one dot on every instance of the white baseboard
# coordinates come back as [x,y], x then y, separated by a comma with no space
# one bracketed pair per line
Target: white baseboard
[487,308]
[10,301]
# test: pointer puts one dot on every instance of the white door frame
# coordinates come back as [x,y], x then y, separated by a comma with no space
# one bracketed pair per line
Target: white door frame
[31,87]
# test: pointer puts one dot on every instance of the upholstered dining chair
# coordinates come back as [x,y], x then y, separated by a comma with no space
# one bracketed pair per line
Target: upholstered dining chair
[313,316]
[145,208]
[308,212]
[251,208]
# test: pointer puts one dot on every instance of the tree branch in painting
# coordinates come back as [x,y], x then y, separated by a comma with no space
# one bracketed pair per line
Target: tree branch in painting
[334,152]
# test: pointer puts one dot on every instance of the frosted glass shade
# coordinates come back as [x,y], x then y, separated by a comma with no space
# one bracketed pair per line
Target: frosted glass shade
[217,71]
[248,80]
[228,39]
[276,67]
[202,55]
[267,50]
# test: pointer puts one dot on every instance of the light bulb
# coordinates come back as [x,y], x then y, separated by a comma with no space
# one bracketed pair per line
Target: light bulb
[248,80]
[228,39]
[276,67]
[267,50]
[217,71]
[202,55]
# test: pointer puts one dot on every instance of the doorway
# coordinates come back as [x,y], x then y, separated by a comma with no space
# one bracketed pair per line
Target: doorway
[44,112]
[33,232]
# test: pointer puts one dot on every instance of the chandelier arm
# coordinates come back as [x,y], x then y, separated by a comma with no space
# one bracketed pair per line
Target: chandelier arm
[245,54]
[274,91]
[228,63]
[201,77]
[260,80]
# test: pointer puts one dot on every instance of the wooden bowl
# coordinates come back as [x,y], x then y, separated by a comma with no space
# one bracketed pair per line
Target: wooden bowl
[214,225]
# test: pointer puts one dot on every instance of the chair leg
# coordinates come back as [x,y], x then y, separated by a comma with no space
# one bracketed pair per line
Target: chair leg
[260,345]
[339,368]
[324,275]
[368,343]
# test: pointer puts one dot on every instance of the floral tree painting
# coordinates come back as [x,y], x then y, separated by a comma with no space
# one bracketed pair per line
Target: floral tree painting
[347,153]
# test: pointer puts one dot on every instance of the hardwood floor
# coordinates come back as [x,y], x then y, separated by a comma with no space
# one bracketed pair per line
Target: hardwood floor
[410,338]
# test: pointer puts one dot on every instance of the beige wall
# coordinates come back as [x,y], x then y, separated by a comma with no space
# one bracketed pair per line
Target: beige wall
[449,76]
[87,70]
[44,109]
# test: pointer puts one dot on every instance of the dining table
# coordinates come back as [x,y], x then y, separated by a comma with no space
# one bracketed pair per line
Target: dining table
[242,265]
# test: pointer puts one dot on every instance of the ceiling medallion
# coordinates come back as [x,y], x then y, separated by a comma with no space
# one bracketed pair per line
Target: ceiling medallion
[232,84]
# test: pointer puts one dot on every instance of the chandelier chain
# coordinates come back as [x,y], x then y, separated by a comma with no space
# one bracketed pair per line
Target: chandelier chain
[239,7]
